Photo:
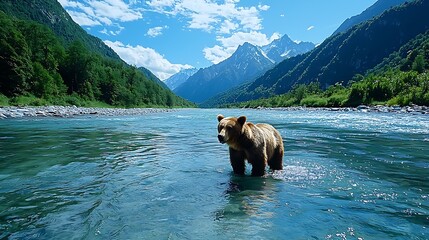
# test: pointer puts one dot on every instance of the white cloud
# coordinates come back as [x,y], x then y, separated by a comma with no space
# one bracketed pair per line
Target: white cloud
[105,20]
[160,4]
[227,27]
[114,10]
[217,53]
[275,36]
[104,31]
[264,7]
[209,15]
[228,45]
[255,38]
[96,12]
[310,28]
[68,3]
[202,21]
[118,30]
[249,18]
[83,19]
[155,31]
[146,57]
[233,25]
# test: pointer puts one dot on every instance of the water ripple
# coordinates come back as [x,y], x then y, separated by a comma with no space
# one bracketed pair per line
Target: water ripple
[160,176]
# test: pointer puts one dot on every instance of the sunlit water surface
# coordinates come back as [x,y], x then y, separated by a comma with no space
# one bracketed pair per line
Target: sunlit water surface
[165,176]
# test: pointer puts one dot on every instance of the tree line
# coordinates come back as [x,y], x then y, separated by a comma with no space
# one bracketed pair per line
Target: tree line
[400,79]
[35,69]
[405,85]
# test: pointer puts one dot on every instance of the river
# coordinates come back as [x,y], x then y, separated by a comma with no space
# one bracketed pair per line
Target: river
[347,175]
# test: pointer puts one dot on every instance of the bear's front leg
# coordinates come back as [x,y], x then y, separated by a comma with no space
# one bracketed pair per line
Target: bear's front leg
[237,161]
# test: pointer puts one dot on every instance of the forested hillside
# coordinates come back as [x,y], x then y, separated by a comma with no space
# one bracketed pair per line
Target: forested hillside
[36,67]
[149,75]
[376,9]
[401,79]
[340,57]
[51,14]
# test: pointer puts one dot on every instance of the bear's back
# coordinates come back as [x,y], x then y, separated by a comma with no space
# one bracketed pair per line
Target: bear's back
[271,135]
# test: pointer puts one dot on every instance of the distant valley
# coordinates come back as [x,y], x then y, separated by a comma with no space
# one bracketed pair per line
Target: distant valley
[246,64]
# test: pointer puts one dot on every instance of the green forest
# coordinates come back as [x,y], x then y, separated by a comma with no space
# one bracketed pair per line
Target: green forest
[401,79]
[37,69]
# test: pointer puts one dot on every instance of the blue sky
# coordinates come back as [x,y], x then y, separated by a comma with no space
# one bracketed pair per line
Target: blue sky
[166,36]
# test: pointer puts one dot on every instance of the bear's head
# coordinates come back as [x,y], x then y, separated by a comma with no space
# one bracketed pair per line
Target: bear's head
[229,129]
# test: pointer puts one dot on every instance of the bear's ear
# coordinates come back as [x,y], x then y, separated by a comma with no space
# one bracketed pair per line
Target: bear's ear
[241,120]
[220,117]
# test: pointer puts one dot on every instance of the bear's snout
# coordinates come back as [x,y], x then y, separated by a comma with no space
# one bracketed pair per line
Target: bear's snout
[221,138]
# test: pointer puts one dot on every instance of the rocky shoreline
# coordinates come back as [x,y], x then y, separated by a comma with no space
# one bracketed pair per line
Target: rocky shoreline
[414,109]
[71,111]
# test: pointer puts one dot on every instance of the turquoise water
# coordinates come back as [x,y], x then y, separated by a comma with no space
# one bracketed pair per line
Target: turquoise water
[165,176]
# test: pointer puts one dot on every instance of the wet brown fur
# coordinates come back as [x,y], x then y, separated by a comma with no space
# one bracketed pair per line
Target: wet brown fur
[259,144]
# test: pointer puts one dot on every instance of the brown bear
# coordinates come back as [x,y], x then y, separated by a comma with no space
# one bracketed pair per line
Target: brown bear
[260,144]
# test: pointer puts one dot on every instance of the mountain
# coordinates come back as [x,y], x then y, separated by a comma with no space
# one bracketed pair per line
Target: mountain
[177,79]
[400,79]
[247,63]
[405,58]
[283,48]
[50,13]
[376,9]
[341,56]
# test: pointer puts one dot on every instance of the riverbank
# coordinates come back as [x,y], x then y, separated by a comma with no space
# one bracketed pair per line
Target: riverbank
[414,109]
[70,111]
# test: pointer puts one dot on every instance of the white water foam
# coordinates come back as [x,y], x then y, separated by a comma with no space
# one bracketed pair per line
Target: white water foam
[298,174]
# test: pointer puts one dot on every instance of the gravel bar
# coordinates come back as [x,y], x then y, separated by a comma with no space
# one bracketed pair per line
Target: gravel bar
[414,109]
[71,111]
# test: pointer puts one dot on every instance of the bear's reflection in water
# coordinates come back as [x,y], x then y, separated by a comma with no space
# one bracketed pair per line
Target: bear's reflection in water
[246,195]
